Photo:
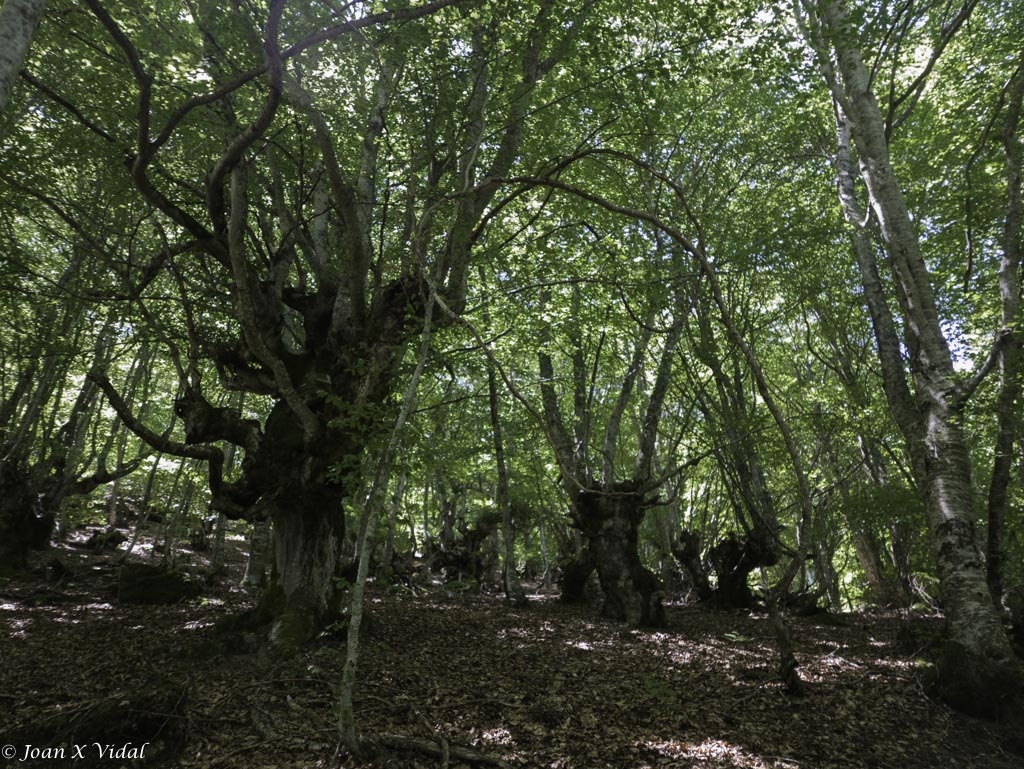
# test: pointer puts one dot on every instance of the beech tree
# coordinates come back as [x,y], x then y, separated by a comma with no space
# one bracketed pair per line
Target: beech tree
[312,177]
[611,234]
[978,670]
[18,22]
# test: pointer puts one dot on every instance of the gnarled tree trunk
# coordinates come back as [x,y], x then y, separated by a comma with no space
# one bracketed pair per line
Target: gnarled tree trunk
[307,531]
[609,520]
[23,526]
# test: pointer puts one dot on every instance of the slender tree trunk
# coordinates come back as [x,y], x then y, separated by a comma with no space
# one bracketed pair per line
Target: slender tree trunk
[1008,399]
[545,561]
[514,593]
[397,496]
[977,670]
[346,711]
[256,564]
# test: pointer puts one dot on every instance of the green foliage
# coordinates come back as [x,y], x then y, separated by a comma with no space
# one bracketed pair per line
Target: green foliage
[705,119]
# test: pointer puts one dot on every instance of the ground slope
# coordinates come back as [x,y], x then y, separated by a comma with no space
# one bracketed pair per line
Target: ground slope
[444,670]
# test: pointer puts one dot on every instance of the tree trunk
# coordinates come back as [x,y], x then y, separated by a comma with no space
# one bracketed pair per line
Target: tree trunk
[346,712]
[977,671]
[687,551]
[307,531]
[575,568]
[609,520]
[256,564]
[514,592]
[1008,400]
[545,561]
[22,526]
[869,556]
[18,22]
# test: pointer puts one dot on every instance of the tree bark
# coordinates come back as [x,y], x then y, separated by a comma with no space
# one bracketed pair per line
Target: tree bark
[307,529]
[609,519]
[346,712]
[514,592]
[18,22]
[977,671]
[256,564]
[1008,400]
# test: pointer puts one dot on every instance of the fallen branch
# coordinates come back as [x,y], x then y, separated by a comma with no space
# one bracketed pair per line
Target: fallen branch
[432,749]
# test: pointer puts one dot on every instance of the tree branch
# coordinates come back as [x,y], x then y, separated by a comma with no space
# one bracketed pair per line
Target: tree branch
[246,309]
[233,154]
[211,454]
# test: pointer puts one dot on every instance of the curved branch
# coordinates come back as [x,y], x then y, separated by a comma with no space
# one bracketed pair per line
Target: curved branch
[272,51]
[103,476]
[211,454]
[247,314]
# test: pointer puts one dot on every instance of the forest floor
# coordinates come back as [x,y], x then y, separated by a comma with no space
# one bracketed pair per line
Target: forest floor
[87,681]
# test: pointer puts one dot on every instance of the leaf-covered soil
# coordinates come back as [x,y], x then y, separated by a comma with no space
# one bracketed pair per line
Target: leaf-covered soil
[450,678]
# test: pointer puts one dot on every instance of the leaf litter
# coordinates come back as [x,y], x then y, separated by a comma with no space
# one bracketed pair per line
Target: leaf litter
[454,678]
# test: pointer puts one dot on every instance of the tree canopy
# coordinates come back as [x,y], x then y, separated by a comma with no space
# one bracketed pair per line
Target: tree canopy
[717,297]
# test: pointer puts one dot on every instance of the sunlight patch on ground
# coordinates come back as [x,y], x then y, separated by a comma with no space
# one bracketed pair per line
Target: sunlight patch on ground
[19,627]
[81,613]
[711,752]
[542,597]
[834,661]
[544,630]
[513,632]
[497,736]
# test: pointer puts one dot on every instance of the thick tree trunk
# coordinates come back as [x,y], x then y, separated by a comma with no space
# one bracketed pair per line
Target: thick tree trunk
[609,520]
[22,526]
[734,559]
[307,531]
[575,567]
[687,551]
[18,22]
[869,556]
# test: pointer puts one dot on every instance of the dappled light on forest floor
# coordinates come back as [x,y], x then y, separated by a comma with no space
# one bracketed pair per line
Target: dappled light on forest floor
[712,753]
[551,685]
